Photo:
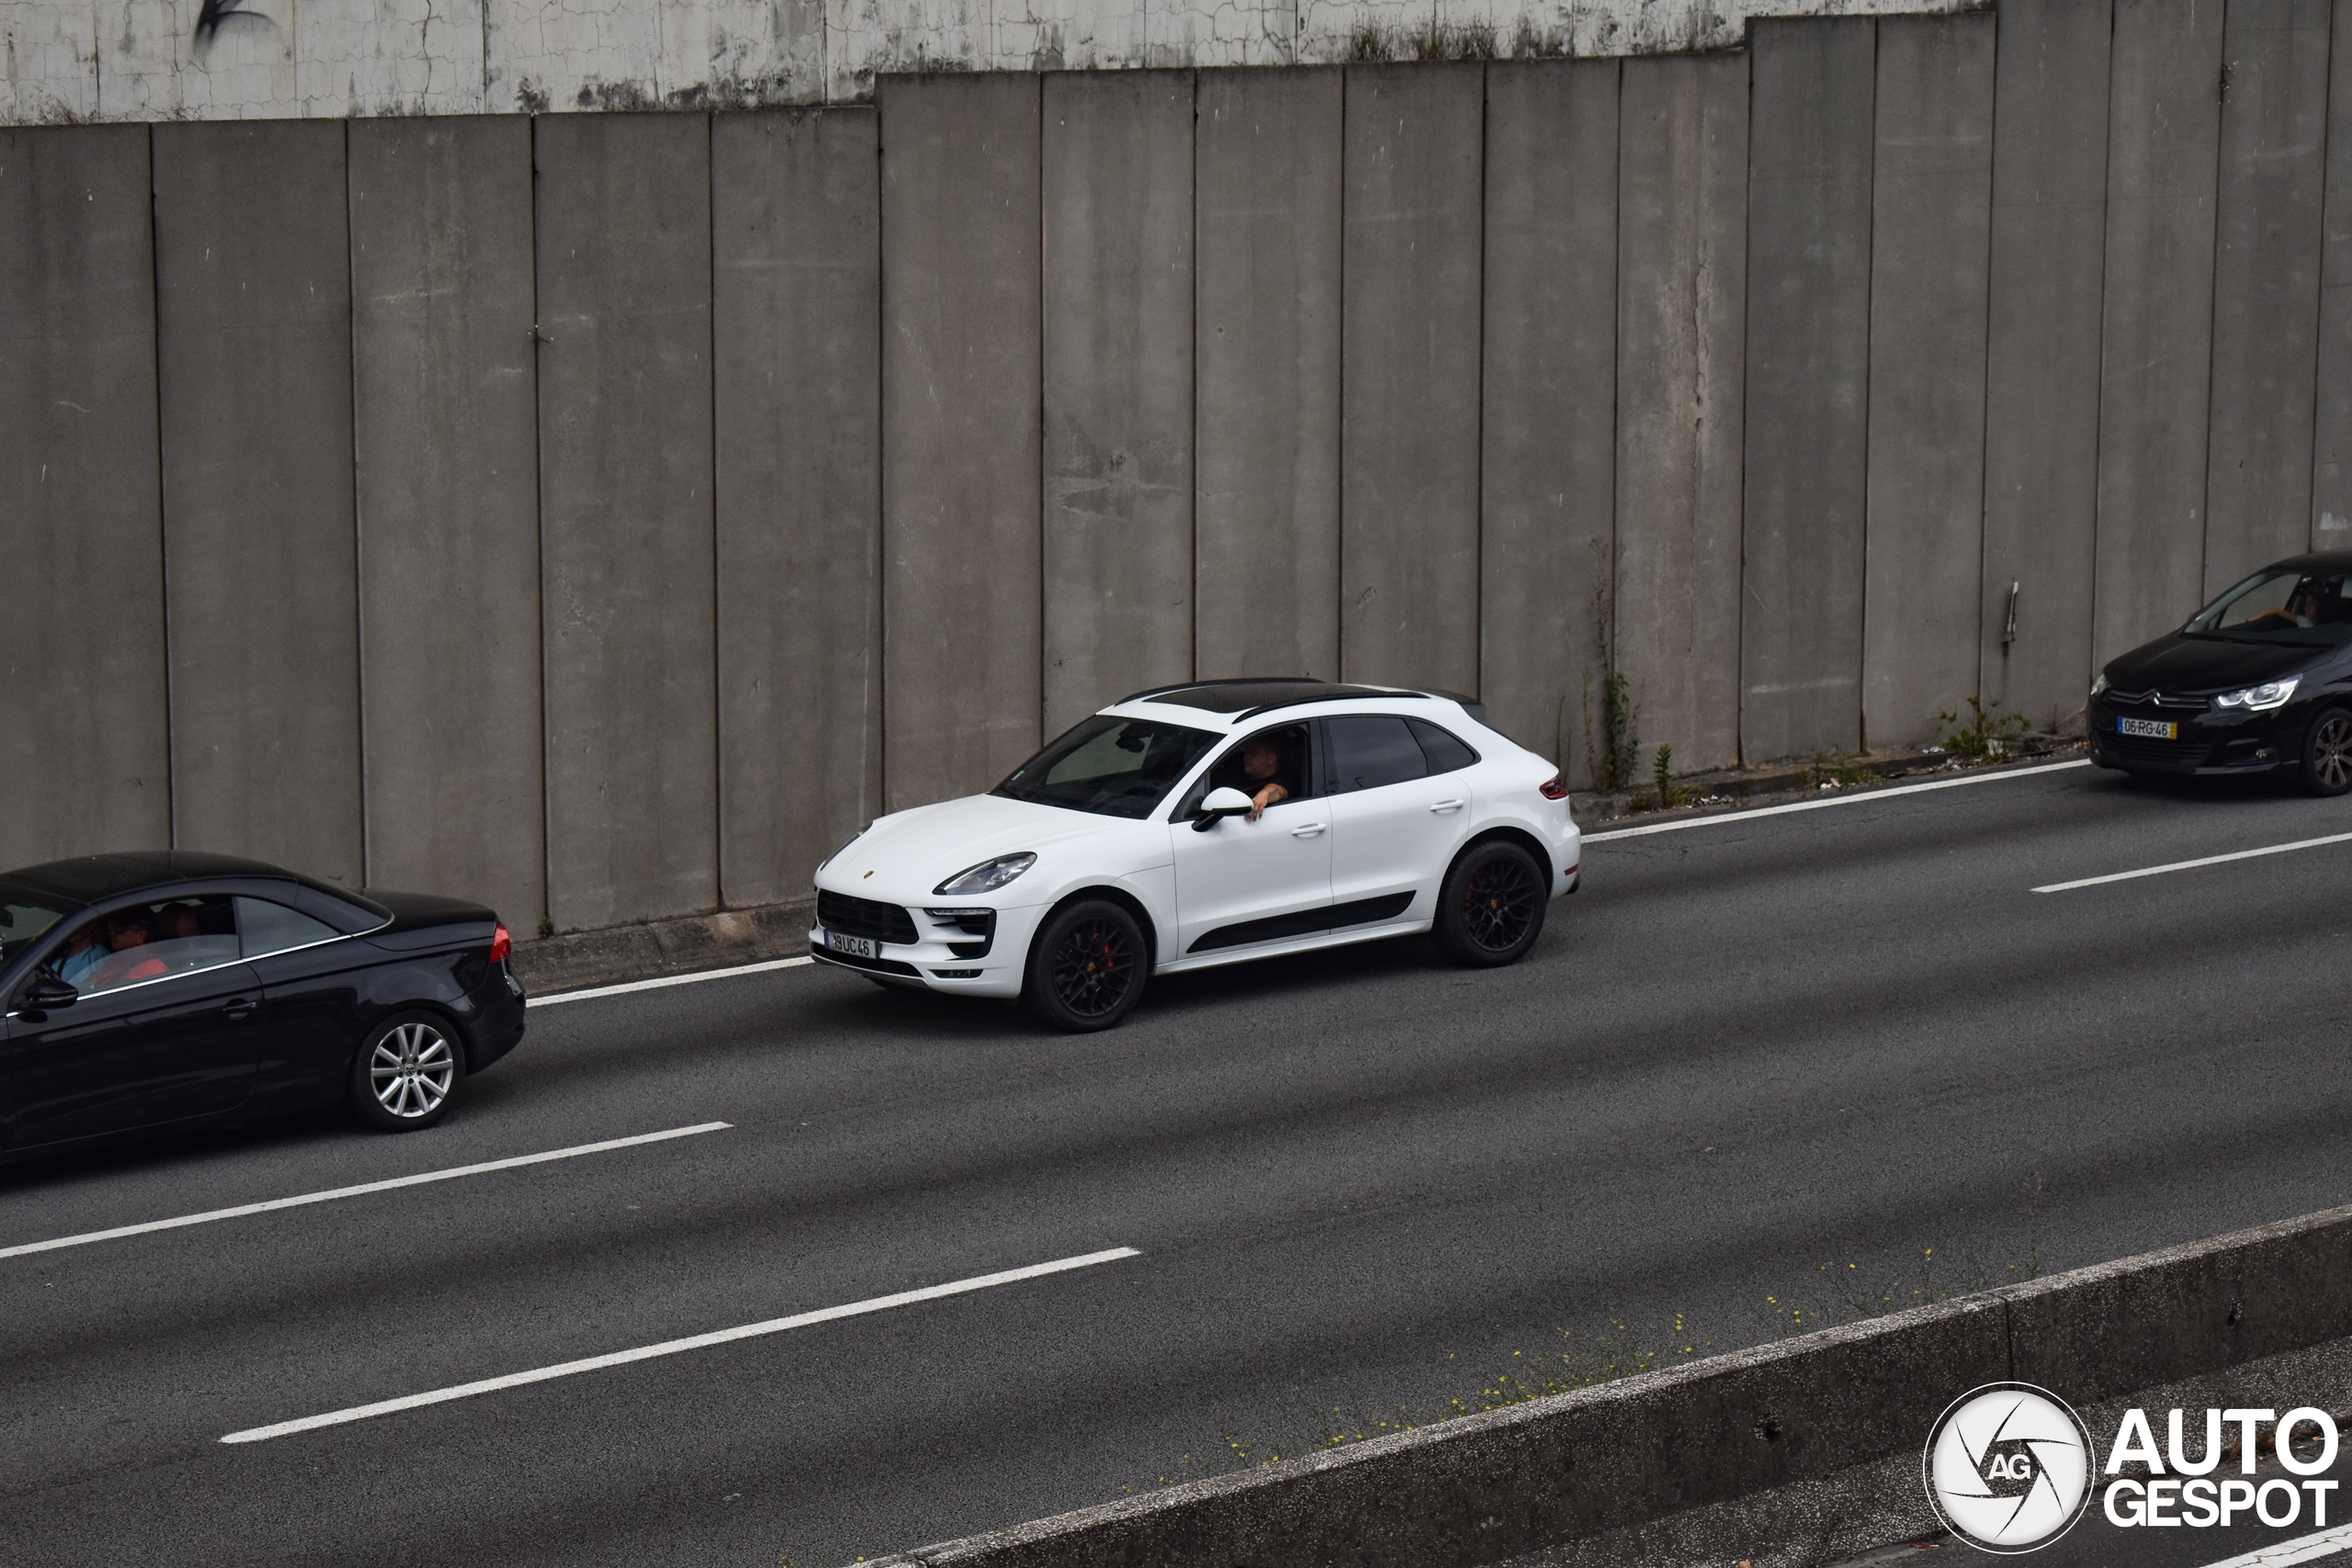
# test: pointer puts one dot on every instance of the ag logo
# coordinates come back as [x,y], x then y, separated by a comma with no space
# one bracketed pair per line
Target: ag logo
[2008,1467]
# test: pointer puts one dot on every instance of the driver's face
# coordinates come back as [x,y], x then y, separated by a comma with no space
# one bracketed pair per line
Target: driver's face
[1259,761]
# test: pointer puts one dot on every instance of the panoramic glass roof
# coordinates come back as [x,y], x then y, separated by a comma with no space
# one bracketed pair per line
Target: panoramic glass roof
[1236,696]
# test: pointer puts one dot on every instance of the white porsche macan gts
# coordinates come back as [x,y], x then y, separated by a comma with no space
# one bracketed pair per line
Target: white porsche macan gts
[1207,824]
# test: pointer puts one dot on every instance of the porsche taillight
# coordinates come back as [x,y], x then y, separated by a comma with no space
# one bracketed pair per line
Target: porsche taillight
[501,946]
[1555,790]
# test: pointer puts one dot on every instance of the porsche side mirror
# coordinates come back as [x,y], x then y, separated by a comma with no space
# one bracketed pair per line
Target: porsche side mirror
[45,993]
[1220,804]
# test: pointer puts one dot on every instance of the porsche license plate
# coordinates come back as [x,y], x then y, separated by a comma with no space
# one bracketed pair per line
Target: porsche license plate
[853,946]
[2153,729]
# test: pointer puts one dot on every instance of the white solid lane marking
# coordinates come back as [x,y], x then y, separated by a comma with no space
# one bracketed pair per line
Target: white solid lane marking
[2193,864]
[1681,823]
[2302,1548]
[668,980]
[452,1174]
[678,1347]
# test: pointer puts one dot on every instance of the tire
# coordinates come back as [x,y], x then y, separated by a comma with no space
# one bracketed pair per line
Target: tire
[1086,969]
[405,1075]
[1490,906]
[2326,767]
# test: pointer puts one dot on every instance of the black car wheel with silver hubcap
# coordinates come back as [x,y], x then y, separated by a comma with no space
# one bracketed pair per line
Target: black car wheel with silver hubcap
[407,1073]
[2327,753]
[1086,969]
[1490,907]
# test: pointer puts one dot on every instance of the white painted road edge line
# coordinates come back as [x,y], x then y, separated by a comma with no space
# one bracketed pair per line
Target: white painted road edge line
[2283,1553]
[2193,864]
[678,1347]
[592,994]
[362,1189]
[1709,821]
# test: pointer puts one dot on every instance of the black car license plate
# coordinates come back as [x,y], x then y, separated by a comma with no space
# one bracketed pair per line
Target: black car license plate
[2153,729]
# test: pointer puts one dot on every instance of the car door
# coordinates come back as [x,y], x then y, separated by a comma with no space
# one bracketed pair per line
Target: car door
[1241,883]
[1395,821]
[310,973]
[166,1039]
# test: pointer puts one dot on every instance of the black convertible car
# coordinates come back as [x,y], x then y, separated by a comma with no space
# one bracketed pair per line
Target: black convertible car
[171,988]
[2258,681]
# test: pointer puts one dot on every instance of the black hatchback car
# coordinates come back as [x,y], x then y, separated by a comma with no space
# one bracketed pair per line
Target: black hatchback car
[2258,681]
[170,989]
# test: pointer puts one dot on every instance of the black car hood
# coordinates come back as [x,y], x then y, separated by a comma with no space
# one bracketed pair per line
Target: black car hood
[2197,665]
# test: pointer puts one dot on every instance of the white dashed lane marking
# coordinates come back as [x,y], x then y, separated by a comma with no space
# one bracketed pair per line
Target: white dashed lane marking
[676,1346]
[269,1205]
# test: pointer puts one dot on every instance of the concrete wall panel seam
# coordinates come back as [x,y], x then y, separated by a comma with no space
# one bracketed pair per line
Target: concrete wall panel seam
[1409,399]
[2157,334]
[85,737]
[1547,439]
[2046,284]
[2331,505]
[445,447]
[796,388]
[1932,210]
[1808,369]
[254,377]
[1680,418]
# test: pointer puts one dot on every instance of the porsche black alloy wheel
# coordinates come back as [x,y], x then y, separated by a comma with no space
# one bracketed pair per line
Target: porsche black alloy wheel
[2327,753]
[1086,969]
[1491,909]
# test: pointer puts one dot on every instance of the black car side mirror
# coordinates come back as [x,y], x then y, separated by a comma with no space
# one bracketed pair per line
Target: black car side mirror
[46,993]
[1220,804]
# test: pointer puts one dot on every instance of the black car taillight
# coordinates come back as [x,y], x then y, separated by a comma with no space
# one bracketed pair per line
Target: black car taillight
[501,946]
[1554,789]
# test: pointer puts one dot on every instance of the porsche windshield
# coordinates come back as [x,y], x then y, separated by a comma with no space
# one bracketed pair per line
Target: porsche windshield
[2293,607]
[1118,767]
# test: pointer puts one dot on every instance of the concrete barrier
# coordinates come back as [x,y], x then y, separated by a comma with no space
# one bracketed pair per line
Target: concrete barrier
[1786,1454]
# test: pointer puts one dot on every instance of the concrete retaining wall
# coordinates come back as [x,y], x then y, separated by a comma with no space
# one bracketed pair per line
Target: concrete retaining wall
[1784,1455]
[605,514]
[142,59]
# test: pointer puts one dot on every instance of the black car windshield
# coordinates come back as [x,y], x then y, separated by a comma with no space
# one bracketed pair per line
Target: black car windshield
[23,916]
[1117,767]
[2289,607]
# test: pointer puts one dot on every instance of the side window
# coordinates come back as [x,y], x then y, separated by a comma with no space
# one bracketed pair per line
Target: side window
[266,928]
[1271,756]
[1445,753]
[1369,750]
[148,941]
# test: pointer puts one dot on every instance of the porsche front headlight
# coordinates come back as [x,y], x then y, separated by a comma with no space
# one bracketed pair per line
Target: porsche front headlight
[986,876]
[2269,695]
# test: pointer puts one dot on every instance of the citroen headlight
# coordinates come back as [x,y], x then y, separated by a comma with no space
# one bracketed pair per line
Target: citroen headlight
[2269,695]
[986,876]
[2100,684]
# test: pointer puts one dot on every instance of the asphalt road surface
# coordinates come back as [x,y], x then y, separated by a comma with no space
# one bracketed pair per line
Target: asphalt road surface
[1754,1069]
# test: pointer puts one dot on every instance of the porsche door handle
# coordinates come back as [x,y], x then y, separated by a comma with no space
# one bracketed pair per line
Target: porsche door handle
[1307,832]
[1443,806]
[238,1007]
